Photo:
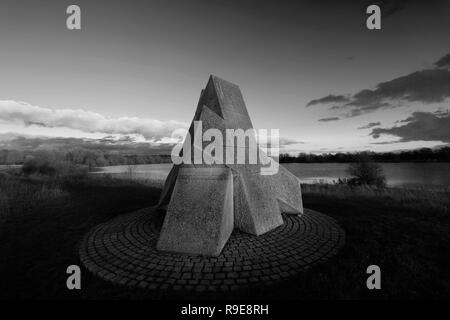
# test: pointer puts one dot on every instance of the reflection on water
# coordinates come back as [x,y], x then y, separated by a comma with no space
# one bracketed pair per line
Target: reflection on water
[397,174]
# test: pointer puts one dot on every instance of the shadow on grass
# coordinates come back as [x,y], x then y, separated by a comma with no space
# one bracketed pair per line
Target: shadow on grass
[37,244]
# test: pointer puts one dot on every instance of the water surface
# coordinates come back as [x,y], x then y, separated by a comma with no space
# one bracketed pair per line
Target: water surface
[397,174]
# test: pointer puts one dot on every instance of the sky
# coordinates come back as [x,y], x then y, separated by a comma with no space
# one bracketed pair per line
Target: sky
[309,68]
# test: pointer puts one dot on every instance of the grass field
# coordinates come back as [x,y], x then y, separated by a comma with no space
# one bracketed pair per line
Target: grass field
[405,232]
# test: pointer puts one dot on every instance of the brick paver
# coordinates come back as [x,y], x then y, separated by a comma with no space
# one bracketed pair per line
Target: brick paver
[123,251]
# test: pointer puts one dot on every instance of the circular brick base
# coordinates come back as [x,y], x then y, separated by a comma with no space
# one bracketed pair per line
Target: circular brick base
[123,251]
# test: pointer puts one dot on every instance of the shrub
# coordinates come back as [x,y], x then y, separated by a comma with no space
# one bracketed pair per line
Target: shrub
[45,167]
[366,172]
[19,195]
[34,165]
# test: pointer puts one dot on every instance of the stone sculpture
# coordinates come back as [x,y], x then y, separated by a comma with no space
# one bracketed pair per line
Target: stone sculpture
[205,202]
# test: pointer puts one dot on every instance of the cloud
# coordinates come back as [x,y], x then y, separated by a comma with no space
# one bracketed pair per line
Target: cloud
[443,62]
[328,119]
[282,143]
[331,98]
[387,142]
[23,142]
[288,142]
[25,115]
[424,86]
[420,126]
[370,125]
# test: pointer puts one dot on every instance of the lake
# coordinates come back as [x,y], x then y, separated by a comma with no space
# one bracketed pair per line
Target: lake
[397,174]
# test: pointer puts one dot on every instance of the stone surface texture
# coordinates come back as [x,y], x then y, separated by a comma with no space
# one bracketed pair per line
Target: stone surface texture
[195,225]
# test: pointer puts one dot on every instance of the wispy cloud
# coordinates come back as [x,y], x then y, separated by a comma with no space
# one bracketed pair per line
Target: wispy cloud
[331,98]
[370,125]
[288,142]
[387,142]
[328,119]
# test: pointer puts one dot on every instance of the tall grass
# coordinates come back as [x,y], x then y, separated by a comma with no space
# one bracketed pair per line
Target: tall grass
[129,177]
[37,182]
[424,199]
[18,195]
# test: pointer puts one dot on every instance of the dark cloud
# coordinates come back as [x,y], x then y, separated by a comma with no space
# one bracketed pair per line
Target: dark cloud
[370,125]
[443,62]
[425,86]
[328,119]
[420,126]
[440,112]
[331,98]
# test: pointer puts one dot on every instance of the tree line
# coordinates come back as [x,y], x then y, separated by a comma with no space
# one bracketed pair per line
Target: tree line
[97,158]
[81,156]
[418,155]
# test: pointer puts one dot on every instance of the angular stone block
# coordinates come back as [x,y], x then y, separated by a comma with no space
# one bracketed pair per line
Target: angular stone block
[167,190]
[261,208]
[287,189]
[199,218]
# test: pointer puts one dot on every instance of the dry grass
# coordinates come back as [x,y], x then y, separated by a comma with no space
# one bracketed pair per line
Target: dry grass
[19,196]
[419,198]
[46,221]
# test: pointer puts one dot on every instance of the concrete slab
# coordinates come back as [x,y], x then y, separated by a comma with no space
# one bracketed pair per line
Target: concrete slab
[199,218]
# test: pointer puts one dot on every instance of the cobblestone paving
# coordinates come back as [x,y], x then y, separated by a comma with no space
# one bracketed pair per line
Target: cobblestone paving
[123,251]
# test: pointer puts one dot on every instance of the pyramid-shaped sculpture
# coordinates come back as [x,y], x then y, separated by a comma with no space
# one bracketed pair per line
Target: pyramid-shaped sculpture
[205,202]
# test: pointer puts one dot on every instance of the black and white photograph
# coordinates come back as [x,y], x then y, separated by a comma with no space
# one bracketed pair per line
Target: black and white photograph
[227,157]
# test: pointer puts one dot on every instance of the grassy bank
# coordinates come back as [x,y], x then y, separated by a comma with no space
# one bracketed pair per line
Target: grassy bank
[405,232]
[43,220]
